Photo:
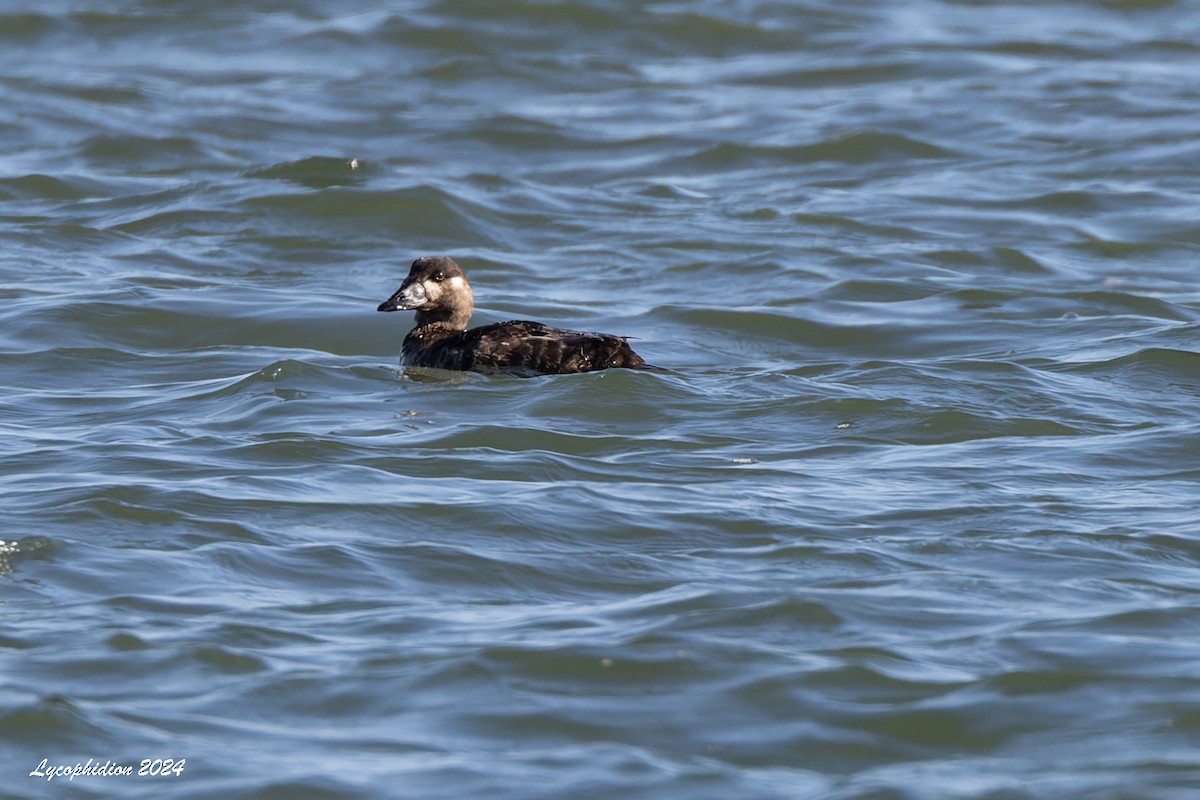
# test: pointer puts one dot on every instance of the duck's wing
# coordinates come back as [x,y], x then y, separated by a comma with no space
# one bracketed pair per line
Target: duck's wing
[524,346]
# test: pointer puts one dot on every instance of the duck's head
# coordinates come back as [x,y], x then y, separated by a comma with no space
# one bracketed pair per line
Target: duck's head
[437,289]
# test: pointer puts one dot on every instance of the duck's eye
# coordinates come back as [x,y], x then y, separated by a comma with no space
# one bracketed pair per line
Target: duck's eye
[438,277]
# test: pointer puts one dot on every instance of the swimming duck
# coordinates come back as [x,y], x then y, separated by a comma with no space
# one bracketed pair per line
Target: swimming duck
[437,289]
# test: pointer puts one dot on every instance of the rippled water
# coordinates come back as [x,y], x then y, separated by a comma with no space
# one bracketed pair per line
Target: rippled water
[913,518]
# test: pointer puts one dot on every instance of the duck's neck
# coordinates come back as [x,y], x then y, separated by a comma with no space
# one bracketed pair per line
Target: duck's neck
[451,319]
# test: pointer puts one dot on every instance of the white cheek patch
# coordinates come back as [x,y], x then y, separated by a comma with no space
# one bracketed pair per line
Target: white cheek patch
[432,290]
[451,287]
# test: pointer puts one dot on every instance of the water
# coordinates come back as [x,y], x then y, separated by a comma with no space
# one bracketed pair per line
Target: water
[912,519]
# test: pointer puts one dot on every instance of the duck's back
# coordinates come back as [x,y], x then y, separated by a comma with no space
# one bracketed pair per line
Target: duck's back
[521,346]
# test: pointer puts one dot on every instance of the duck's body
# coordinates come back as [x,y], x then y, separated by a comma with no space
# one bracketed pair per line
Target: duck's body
[437,289]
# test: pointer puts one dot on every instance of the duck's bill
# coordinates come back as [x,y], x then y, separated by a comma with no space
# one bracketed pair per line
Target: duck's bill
[405,299]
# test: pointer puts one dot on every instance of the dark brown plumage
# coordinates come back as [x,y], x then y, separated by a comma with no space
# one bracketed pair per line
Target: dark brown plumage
[437,289]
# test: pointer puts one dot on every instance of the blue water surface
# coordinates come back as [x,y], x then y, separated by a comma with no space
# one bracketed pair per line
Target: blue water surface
[911,517]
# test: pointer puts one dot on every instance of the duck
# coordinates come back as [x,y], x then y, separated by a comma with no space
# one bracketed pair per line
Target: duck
[438,290]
